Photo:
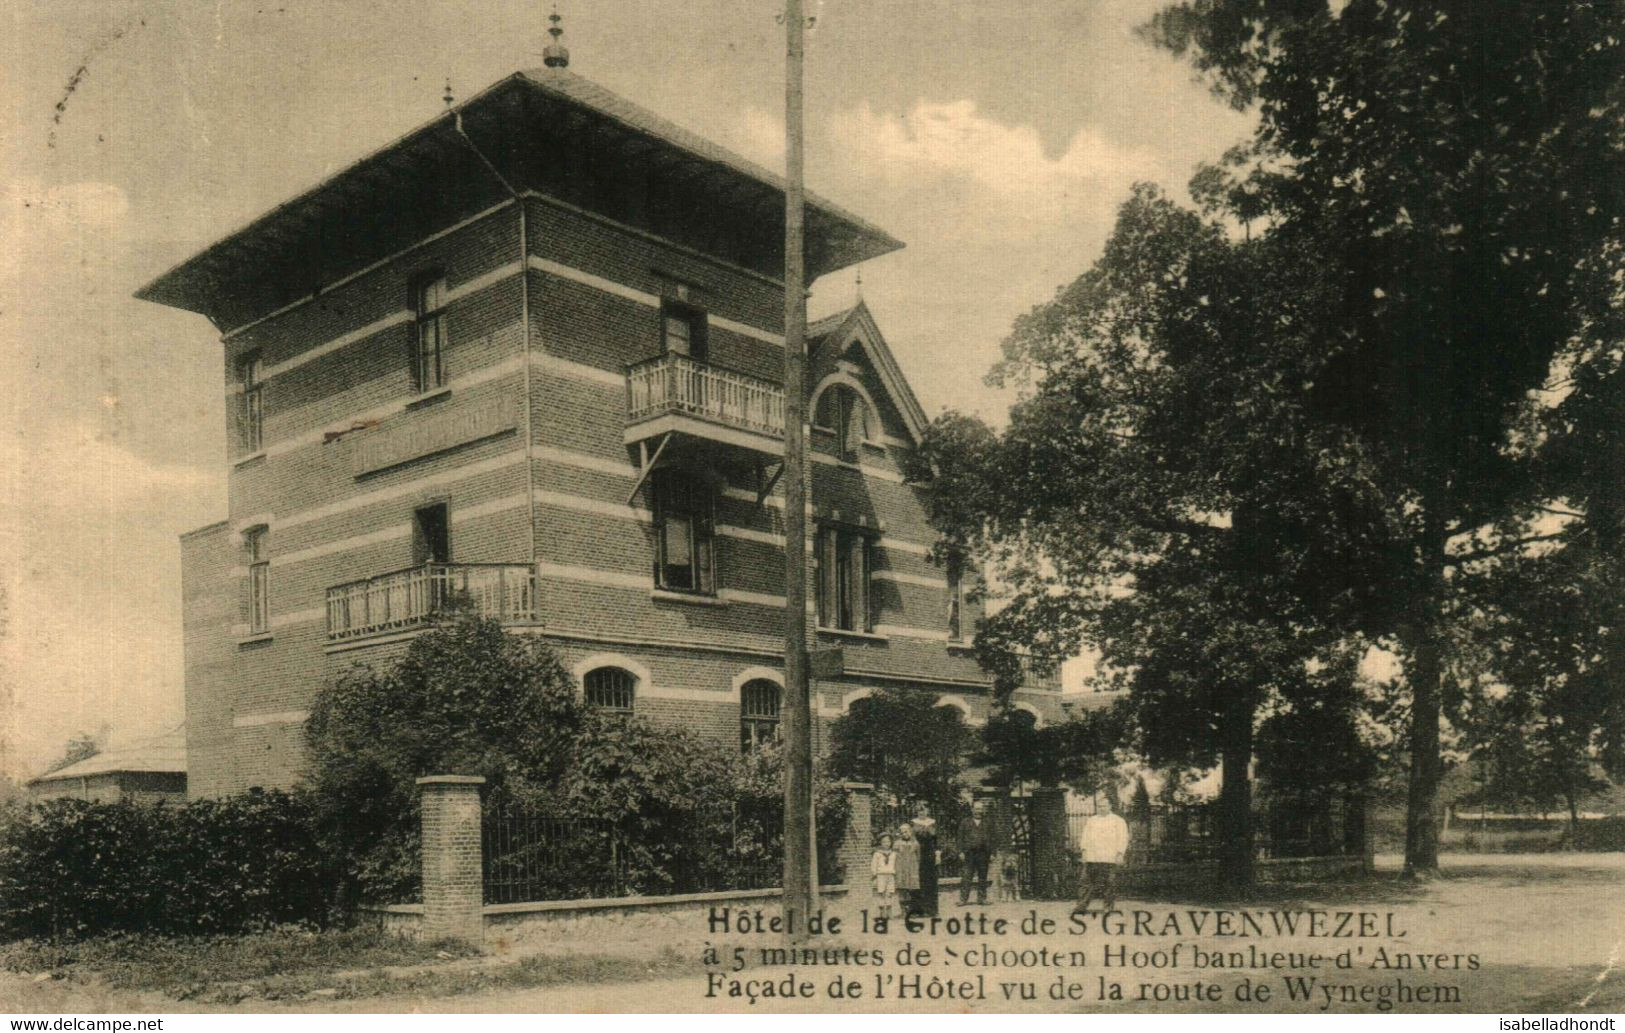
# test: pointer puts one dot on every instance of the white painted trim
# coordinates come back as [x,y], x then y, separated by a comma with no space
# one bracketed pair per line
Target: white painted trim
[746,495]
[591,576]
[751,674]
[486,279]
[248,523]
[490,278]
[315,615]
[626,663]
[899,545]
[750,534]
[853,696]
[864,468]
[550,363]
[318,435]
[1028,708]
[909,579]
[689,695]
[364,270]
[621,290]
[462,514]
[583,461]
[721,263]
[679,422]
[360,541]
[766,337]
[736,595]
[342,341]
[459,515]
[281,717]
[887,439]
[899,631]
[513,457]
[579,504]
[843,377]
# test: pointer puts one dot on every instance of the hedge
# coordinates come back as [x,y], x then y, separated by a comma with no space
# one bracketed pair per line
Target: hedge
[69,868]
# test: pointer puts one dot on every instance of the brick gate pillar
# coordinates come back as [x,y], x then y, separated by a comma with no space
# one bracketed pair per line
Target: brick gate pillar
[858,843]
[1046,809]
[453,882]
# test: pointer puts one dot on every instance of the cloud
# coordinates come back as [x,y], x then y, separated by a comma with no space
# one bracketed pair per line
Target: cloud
[952,142]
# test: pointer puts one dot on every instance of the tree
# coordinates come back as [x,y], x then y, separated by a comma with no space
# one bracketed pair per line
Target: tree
[465,698]
[1159,494]
[679,812]
[82,746]
[1079,752]
[1456,169]
[905,743]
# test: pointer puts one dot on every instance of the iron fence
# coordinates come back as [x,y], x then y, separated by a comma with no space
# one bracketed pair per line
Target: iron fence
[1190,832]
[531,854]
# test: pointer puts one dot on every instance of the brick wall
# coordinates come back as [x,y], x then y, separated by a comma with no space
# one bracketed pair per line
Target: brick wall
[338,376]
[453,883]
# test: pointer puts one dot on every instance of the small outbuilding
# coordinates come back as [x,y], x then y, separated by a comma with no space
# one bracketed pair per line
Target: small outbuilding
[146,771]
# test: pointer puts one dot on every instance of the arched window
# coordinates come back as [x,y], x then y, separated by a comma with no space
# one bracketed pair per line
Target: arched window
[843,411]
[611,689]
[759,705]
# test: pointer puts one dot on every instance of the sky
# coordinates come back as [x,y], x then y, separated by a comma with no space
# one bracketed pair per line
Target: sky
[996,139]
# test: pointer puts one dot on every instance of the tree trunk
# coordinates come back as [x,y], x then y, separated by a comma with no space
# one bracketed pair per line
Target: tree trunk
[1574,820]
[1425,672]
[1236,795]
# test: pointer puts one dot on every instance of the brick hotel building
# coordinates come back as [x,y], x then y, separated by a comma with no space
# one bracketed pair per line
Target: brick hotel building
[532,351]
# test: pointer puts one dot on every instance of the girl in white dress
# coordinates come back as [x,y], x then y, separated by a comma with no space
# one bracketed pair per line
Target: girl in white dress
[883,866]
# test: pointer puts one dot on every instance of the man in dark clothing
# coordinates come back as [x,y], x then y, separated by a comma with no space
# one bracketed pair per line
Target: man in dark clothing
[975,845]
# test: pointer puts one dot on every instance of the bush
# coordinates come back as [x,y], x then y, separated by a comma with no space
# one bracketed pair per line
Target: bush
[673,810]
[70,869]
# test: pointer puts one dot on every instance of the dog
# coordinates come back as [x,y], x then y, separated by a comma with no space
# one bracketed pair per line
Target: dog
[1006,876]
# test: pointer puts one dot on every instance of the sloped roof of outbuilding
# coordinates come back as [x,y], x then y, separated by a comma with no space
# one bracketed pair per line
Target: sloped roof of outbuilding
[161,753]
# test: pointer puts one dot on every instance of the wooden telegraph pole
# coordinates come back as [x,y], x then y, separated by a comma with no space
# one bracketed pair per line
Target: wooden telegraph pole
[798,855]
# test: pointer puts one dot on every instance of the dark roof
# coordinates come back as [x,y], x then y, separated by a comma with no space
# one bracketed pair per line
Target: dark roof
[564,83]
[463,161]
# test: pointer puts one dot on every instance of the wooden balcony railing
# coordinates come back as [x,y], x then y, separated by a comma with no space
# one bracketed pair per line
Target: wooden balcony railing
[407,598]
[677,384]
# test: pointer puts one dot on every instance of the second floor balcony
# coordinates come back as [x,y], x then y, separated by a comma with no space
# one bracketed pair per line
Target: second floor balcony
[405,599]
[676,394]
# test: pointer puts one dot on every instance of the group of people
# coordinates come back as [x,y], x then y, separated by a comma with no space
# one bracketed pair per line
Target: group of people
[904,865]
[904,869]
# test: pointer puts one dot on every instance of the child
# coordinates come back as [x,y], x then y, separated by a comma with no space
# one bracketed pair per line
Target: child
[883,866]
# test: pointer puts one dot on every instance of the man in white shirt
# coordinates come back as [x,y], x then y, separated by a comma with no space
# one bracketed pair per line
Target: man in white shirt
[1103,843]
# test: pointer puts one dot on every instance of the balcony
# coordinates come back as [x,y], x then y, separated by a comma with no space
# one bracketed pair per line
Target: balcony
[409,598]
[675,394]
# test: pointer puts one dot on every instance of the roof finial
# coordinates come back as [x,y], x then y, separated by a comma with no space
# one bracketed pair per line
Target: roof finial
[556,55]
[447,96]
[857,283]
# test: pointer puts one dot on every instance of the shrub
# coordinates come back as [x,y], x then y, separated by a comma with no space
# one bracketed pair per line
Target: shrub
[673,810]
[69,868]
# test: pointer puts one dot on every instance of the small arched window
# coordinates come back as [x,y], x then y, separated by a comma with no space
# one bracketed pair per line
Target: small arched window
[843,411]
[610,689]
[760,702]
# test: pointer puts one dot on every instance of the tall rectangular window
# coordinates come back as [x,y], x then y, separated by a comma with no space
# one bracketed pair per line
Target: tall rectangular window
[251,372]
[844,570]
[682,330]
[431,535]
[684,549]
[956,598]
[259,581]
[429,343]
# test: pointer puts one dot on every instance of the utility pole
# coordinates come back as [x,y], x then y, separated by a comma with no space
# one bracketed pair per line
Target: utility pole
[798,855]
